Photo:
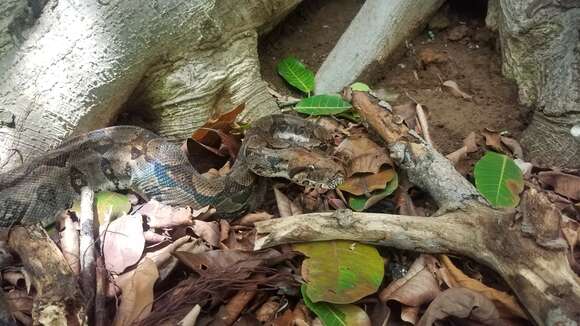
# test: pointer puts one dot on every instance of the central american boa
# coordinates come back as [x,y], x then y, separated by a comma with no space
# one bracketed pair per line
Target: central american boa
[128,157]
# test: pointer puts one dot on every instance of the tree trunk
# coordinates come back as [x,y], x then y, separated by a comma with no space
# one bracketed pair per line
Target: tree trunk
[180,61]
[541,52]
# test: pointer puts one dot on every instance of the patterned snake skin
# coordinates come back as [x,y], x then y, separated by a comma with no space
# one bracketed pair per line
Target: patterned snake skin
[127,157]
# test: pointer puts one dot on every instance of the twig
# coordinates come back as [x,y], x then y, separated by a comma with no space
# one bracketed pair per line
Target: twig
[191,317]
[230,312]
[87,243]
[101,312]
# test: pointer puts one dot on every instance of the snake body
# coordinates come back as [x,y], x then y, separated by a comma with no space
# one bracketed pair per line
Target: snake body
[128,157]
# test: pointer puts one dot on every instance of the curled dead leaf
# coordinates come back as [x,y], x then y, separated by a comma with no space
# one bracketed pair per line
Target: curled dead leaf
[408,112]
[123,243]
[208,231]
[364,184]
[507,303]
[362,155]
[469,146]
[162,216]
[286,207]
[251,218]
[137,297]
[514,146]
[461,303]
[455,90]
[417,287]
[493,140]
[567,185]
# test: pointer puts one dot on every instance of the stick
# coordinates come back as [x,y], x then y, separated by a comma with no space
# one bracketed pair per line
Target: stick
[87,244]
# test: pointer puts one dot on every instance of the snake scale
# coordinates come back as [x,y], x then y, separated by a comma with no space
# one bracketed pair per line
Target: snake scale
[129,157]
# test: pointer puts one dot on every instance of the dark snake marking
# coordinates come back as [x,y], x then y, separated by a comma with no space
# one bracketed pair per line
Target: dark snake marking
[128,157]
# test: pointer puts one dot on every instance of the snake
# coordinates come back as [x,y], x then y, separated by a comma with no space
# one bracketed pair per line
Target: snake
[122,158]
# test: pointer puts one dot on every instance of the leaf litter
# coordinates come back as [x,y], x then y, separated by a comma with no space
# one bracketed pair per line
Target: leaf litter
[163,261]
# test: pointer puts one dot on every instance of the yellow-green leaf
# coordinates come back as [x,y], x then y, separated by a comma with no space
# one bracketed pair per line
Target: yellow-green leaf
[340,271]
[296,74]
[109,204]
[322,105]
[361,87]
[336,314]
[499,180]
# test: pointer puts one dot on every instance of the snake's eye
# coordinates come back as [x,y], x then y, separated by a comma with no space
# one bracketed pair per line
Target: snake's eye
[311,167]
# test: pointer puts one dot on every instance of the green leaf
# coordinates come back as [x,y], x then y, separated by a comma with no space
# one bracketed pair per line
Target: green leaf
[361,203]
[296,74]
[340,271]
[108,203]
[361,87]
[322,105]
[336,314]
[499,180]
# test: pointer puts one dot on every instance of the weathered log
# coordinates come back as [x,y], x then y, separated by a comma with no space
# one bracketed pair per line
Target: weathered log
[182,61]
[527,252]
[379,28]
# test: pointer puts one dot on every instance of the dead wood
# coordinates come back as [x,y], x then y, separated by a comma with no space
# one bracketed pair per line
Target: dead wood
[525,251]
[58,297]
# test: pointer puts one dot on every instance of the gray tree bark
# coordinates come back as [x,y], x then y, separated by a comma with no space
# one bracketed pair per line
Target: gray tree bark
[540,43]
[179,62]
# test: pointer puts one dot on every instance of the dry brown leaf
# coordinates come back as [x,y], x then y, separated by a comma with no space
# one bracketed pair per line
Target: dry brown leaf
[417,287]
[493,140]
[408,112]
[228,313]
[267,311]
[514,146]
[137,297]
[208,231]
[469,146]
[286,207]
[428,56]
[567,185]
[216,261]
[362,155]
[123,243]
[224,122]
[18,300]
[461,303]
[251,218]
[571,232]
[410,314]
[503,300]
[152,237]
[286,319]
[164,216]
[364,184]
[455,90]
[161,256]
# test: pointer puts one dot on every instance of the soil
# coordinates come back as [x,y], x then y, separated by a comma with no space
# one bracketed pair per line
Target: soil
[456,47]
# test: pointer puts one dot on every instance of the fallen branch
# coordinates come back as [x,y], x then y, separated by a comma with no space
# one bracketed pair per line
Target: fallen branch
[527,252]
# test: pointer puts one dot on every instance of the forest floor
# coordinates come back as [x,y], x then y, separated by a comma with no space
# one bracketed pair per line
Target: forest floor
[457,46]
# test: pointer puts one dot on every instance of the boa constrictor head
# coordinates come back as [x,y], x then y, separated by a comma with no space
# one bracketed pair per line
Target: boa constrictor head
[293,148]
